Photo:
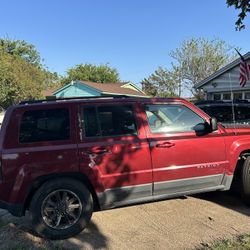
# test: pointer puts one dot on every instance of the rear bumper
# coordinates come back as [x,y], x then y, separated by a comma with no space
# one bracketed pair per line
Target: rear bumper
[14,209]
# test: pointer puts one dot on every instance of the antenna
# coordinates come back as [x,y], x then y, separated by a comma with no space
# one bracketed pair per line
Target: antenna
[232,96]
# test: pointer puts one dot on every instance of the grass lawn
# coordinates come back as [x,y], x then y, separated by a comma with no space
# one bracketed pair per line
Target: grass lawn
[237,243]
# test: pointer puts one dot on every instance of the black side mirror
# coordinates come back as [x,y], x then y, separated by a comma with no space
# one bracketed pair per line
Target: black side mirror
[214,124]
[201,128]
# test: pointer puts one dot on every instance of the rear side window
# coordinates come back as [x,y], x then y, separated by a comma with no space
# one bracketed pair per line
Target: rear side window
[44,125]
[109,121]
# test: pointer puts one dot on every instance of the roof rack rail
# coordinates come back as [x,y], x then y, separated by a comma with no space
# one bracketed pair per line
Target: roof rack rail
[73,98]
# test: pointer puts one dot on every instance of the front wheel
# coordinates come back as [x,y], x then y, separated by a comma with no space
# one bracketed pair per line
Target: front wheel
[61,208]
[245,179]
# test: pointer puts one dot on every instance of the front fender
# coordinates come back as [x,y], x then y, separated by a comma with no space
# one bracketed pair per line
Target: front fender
[235,151]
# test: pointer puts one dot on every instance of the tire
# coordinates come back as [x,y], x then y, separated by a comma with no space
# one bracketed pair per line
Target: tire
[245,179]
[61,208]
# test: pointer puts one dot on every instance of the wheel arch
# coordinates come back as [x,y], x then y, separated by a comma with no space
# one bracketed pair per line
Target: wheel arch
[38,182]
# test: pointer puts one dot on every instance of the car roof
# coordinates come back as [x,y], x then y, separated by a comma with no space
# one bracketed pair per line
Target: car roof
[99,99]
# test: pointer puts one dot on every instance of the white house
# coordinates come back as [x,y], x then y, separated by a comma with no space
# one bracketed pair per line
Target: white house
[224,84]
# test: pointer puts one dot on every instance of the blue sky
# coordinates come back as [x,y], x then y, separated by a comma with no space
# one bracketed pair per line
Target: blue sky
[134,36]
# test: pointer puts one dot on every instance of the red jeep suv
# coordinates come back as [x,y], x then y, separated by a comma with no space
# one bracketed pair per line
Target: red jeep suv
[63,159]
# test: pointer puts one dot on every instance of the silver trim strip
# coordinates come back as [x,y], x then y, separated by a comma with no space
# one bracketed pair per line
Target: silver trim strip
[168,189]
[182,185]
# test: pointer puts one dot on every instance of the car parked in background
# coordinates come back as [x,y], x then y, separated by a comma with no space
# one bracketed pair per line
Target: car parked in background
[227,112]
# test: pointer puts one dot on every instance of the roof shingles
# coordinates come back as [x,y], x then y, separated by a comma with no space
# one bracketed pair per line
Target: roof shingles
[112,88]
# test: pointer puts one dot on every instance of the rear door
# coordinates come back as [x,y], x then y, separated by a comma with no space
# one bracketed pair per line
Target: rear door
[182,160]
[113,148]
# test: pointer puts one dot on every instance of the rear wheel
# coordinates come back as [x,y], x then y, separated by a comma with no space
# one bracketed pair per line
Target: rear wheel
[61,208]
[245,178]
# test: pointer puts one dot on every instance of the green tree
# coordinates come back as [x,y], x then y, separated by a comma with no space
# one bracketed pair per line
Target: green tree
[89,72]
[162,83]
[244,7]
[198,58]
[22,75]
[22,49]
[19,80]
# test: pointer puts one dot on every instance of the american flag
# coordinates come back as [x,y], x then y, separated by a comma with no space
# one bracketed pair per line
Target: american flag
[244,71]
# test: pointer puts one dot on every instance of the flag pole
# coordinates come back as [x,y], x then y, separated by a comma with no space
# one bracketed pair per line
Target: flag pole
[241,56]
[232,96]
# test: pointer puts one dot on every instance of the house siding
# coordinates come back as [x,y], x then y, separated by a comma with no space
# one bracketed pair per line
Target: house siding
[226,83]
[76,90]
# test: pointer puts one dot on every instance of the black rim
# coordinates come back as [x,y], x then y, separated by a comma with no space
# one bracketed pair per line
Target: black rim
[61,209]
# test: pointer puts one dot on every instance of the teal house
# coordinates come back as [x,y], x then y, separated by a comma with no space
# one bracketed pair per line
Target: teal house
[88,89]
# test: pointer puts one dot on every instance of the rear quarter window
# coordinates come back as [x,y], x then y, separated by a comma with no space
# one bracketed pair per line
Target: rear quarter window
[44,125]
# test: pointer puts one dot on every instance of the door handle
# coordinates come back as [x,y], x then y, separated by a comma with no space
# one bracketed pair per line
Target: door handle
[98,152]
[165,145]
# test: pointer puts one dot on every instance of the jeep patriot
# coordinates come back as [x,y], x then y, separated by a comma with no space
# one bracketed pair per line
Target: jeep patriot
[63,159]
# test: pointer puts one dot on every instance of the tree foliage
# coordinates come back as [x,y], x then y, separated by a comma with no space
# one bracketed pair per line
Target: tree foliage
[244,7]
[89,72]
[22,49]
[162,83]
[193,61]
[19,80]
[198,58]
[22,76]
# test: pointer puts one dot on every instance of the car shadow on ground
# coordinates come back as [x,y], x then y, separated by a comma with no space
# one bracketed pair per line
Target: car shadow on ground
[17,233]
[228,199]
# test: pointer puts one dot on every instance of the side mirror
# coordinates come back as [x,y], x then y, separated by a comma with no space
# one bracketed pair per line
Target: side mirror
[200,128]
[214,124]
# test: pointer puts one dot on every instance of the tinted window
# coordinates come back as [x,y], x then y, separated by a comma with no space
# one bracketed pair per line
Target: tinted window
[44,125]
[109,121]
[171,118]
[90,122]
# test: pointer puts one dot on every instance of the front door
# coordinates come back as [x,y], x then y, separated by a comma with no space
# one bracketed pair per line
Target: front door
[115,150]
[183,160]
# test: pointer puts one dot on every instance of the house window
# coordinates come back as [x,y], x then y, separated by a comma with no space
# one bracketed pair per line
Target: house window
[217,97]
[226,96]
[247,95]
[237,96]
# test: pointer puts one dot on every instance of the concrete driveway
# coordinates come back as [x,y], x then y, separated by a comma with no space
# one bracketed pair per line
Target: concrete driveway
[181,223]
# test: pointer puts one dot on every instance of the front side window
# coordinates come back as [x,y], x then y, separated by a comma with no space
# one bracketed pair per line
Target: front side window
[109,121]
[44,125]
[170,118]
